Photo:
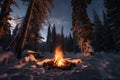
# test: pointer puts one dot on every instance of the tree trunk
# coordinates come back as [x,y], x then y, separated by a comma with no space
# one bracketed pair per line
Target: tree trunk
[25,29]
[82,28]
[4,24]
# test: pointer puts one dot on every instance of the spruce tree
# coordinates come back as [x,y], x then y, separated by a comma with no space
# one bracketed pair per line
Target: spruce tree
[53,37]
[98,32]
[49,38]
[62,37]
[108,40]
[70,44]
[113,16]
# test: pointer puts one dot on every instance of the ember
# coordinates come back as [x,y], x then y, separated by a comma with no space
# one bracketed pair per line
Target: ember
[59,61]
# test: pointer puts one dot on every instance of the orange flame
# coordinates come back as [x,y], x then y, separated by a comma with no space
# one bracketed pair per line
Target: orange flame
[59,60]
[59,57]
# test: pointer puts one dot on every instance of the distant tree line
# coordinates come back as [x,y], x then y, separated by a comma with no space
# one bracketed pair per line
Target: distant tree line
[54,39]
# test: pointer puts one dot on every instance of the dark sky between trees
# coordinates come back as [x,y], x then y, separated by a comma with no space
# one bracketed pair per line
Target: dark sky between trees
[60,14]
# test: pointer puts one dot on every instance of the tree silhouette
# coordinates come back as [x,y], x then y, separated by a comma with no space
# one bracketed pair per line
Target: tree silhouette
[98,33]
[5,33]
[36,13]
[82,27]
[62,37]
[53,37]
[108,41]
[113,16]
[49,38]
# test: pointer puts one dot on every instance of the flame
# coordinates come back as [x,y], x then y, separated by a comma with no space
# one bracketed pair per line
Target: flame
[59,57]
[59,60]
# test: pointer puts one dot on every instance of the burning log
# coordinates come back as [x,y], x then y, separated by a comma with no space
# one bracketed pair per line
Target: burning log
[51,64]
[59,61]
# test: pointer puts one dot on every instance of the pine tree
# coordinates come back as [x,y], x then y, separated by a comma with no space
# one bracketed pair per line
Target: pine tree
[113,15]
[108,41]
[53,37]
[98,33]
[66,43]
[36,14]
[62,37]
[82,28]
[5,33]
[62,30]
[70,44]
[25,29]
[49,38]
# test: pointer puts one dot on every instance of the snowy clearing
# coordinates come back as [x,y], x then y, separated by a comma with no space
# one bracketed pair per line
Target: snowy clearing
[100,66]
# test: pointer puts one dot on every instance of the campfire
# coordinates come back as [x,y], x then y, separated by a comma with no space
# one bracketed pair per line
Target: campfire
[59,60]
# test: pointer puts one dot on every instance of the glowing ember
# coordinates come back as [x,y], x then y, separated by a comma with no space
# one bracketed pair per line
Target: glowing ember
[59,61]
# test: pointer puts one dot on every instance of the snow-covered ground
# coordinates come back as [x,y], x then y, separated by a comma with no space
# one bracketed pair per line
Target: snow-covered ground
[100,66]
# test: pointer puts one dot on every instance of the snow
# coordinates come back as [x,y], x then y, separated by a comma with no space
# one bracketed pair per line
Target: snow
[19,66]
[6,57]
[99,66]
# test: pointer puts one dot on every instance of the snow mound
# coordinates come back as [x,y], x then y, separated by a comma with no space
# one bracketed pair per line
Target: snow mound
[7,57]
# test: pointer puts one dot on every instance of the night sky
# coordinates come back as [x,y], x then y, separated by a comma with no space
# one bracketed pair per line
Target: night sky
[60,16]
